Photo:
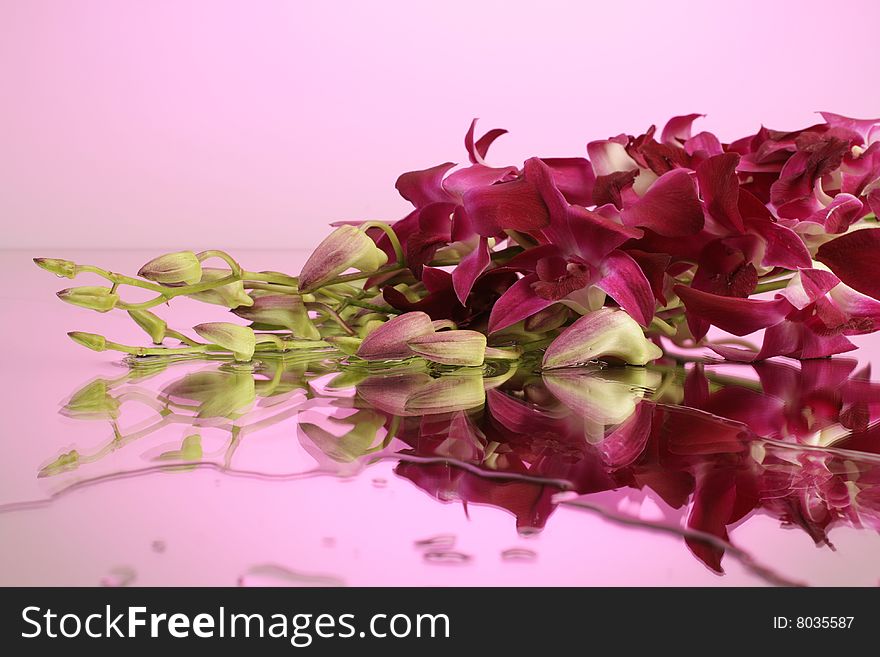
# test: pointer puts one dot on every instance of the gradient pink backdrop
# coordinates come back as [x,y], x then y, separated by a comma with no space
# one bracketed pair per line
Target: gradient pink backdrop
[253,124]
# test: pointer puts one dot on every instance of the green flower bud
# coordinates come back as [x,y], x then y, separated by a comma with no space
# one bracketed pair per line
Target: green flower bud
[91,340]
[345,248]
[100,299]
[154,325]
[62,268]
[231,295]
[465,348]
[240,340]
[182,267]
[604,333]
[281,311]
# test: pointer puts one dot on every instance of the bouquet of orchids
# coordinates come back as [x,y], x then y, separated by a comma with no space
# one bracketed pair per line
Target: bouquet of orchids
[650,240]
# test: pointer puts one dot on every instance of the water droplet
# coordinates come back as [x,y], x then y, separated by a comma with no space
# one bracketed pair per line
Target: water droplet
[274,575]
[379,482]
[519,554]
[158,546]
[439,542]
[447,557]
[119,576]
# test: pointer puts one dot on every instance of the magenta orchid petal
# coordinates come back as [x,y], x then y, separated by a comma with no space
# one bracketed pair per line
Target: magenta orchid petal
[595,236]
[783,247]
[514,205]
[459,182]
[670,207]
[477,150]
[840,214]
[720,189]
[470,267]
[735,354]
[678,129]
[425,186]
[853,257]
[574,177]
[861,127]
[733,314]
[807,286]
[519,302]
[625,282]
[704,144]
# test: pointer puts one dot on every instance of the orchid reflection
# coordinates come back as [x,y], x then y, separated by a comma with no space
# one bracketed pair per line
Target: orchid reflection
[713,443]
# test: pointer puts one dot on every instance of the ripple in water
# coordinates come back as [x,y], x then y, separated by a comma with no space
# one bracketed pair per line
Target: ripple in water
[437,543]
[519,554]
[447,557]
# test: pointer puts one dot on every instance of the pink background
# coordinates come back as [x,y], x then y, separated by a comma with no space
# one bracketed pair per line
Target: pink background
[253,124]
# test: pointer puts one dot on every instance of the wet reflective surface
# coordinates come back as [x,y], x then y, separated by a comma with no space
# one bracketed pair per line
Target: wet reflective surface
[305,470]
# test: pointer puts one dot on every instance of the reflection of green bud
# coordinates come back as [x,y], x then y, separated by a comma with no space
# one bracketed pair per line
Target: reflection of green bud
[63,268]
[173,268]
[601,398]
[67,461]
[352,445]
[216,393]
[282,311]
[190,450]
[93,298]
[604,333]
[91,340]
[345,248]
[231,295]
[240,340]
[450,392]
[92,402]
[451,347]
[154,325]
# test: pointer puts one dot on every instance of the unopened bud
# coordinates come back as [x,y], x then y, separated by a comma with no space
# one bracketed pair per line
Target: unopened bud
[91,340]
[240,340]
[62,268]
[282,311]
[345,248]
[603,333]
[231,295]
[465,348]
[173,268]
[100,299]
[154,325]
[389,341]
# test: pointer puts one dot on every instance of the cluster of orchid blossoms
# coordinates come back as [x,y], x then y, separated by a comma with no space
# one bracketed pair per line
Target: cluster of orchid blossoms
[649,240]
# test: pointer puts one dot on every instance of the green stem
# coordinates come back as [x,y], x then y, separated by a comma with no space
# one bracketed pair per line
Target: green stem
[155,351]
[332,314]
[120,279]
[271,277]
[225,257]
[177,335]
[392,237]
